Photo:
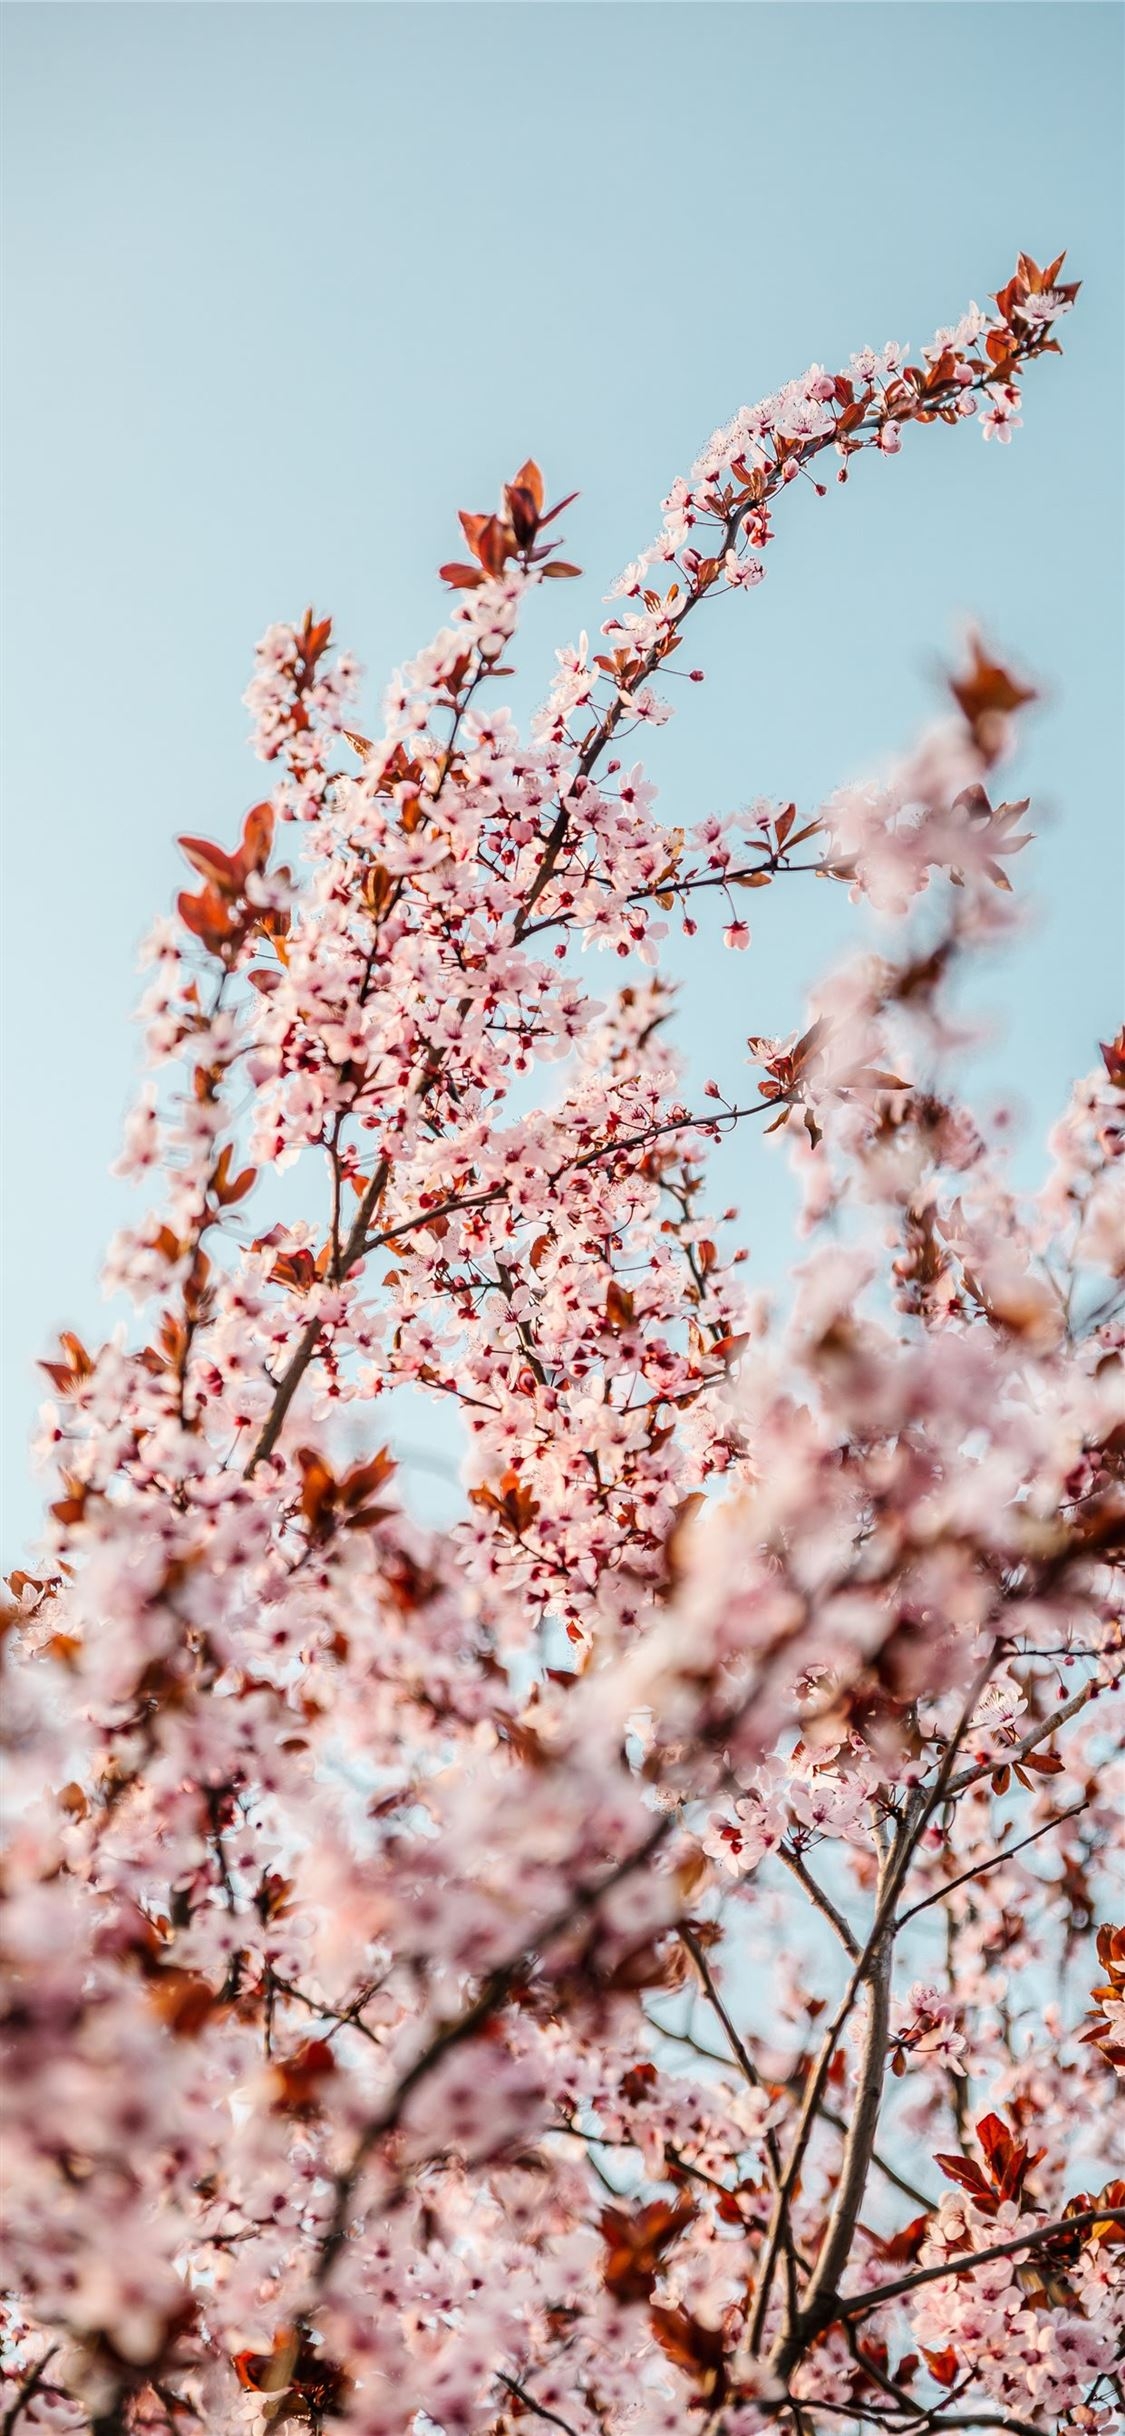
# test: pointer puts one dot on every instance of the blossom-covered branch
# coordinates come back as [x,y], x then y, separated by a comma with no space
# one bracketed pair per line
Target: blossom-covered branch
[363,1879]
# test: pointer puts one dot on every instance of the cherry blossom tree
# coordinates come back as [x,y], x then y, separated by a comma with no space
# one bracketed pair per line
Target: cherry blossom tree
[623,1963]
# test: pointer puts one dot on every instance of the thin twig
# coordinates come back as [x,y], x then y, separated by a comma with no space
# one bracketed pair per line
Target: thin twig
[27,2391]
[1006,1852]
[456,1203]
[740,2052]
[540,2408]
[823,1902]
[750,2070]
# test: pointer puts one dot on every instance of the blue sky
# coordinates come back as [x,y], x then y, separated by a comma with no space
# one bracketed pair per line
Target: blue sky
[288,285]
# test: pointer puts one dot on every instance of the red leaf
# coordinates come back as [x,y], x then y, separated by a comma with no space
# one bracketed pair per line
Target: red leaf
[257,838]
[530,479]
[69,1374]
[557,510]
[695,2348]
[901,2249]
[213,865]
[296,2078]
[316,634]
[618,1305]
[357,1486]
[987,691]
[634,2244]
[209,918]
[967,2172]
[944,2365]
[523,513]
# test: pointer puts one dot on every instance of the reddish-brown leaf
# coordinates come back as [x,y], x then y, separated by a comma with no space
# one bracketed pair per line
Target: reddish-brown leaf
[944,2366]
[212,863]
[694,2347]
[635,2244]
[257,838]
[619,1312]
[530,479]
[297,2078]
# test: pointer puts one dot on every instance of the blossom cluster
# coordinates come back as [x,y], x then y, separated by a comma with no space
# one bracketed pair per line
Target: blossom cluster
[526,1972]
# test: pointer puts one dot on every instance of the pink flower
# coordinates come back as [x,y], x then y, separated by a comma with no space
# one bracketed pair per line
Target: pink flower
[998,418]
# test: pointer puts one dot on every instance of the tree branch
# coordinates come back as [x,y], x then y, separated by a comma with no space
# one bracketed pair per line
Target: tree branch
[750,2071]
[1037,1734]
[529,2402]
[451,2034]
[816,2307]
[487,1199]
[1006,1852]
[919,1811]
[858,2304]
